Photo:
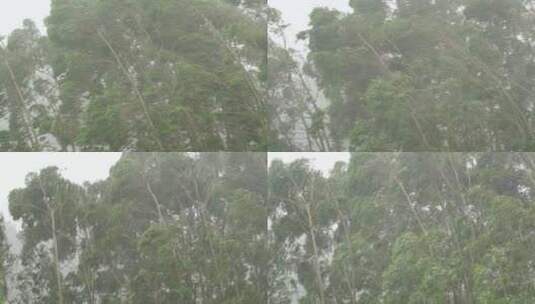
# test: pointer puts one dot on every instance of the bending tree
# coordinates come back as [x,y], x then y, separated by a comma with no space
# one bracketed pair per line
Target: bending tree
[422,75]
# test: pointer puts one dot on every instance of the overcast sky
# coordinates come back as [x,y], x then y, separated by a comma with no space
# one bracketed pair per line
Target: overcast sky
[296,14]
[77,167]
[13,12]
[323,161]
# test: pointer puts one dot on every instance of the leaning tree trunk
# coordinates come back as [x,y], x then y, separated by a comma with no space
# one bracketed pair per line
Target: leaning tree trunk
[317,269]
[26,116]
[55,251]
[312,233]
[56,256]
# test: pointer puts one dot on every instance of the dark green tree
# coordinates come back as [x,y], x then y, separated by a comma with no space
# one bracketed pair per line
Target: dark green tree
[48,208]
[141,75]
[426,75]
[406,227]
[162,228]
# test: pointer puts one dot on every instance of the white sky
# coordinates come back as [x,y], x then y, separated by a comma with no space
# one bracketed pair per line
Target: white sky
[296,13]
[13,12]
[323,161]
[77,167]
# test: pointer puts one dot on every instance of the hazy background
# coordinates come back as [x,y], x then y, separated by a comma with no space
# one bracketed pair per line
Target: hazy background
[13,12]
[323,161]
[296,14]
[77,167]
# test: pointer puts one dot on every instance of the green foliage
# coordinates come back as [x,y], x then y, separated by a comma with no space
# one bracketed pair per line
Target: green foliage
[162,228]
[142,75]
[426,75]
[431,228]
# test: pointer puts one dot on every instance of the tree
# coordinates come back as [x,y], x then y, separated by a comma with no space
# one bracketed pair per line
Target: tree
[140,75]
[297,120]
[25,86]
[426,75]
[47,207]
[409,227]
[162,228]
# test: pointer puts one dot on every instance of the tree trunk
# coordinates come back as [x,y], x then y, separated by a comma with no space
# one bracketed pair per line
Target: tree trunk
[316,256]
[56,256]
[26,117]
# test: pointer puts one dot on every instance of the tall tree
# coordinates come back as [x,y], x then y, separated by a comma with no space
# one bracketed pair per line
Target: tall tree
[407,227]
[139,75]
[422,75]
[28,91]
[47,207]
[162,228]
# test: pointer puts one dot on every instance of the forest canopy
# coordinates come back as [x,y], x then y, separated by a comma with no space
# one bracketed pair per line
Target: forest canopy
[184,75]
[422,228]
[221,75]
[408,75]
[389,228]
[162,228]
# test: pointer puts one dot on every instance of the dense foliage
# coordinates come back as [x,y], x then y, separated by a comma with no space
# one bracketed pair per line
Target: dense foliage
[418,228]
[427,75]
[163,228]
[144,75]
[405,228]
